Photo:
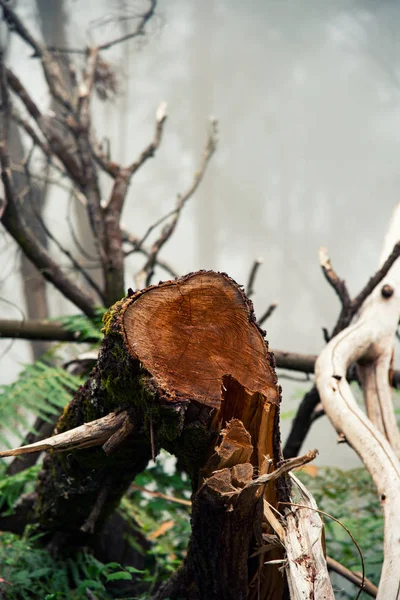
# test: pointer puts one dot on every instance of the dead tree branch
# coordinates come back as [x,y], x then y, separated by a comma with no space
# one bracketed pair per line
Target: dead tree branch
[50,67]
[305,414]
[37,329]
[139,31]
[252,276]
[368,587]
[14,223]
[271,308]
[146,274]
[376,439]
[5,117]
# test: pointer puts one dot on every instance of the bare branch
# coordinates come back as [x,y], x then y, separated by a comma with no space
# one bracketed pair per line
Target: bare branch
[77,266]
[5,117]
[351,306]
[20,90]
[339,285]
[129,238]
[35,137]
[148,270]
[294,361]
[161,116]
[86,87]
[22,233]
[376,390]
[56,142]
[250,284]
[301,423]
[38,329]
[50,67]
[271,308]
[139,488]
[140,29]
[303,537]
[376,279]
[368,587]
[109,167]
[89,524]
[117,438]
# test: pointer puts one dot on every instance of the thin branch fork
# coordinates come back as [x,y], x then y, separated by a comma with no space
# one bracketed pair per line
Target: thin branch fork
[129,238]
[74,262]
[140,29]
[50,270]
[50,67]
[146,273]
[339,285]
[19,230]
[57,144]
[124,175]
[79,157]
[351,306]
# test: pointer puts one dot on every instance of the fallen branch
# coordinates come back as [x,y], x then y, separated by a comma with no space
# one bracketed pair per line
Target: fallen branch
[368,587]
[370,340]
[94,433]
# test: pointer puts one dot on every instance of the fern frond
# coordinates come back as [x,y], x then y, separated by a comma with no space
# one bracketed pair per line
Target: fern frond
[85,328]
[41,390]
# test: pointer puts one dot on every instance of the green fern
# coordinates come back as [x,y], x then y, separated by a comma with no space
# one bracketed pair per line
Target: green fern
[85,328]
[41,390]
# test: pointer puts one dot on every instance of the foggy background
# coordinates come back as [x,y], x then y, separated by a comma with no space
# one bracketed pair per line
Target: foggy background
[307,95]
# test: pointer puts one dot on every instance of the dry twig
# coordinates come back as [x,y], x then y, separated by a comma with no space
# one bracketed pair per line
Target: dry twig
[252,276]
[146,273]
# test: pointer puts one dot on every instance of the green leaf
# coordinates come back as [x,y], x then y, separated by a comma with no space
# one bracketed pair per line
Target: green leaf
[119,575]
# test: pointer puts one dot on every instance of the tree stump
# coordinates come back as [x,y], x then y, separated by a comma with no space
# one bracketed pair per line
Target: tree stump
[185,367]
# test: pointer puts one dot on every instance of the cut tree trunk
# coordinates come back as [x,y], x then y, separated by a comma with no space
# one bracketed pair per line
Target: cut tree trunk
[183,366]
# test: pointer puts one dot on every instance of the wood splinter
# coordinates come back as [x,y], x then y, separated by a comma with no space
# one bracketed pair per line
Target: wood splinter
[107,431]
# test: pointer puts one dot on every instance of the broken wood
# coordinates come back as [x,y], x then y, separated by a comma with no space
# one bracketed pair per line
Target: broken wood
[95,433]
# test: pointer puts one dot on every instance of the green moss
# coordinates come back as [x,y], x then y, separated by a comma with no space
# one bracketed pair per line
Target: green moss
[192,449]
[111,317]
[72,481]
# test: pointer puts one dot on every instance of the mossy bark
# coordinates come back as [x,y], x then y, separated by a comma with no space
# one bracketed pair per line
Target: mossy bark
[188,363]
